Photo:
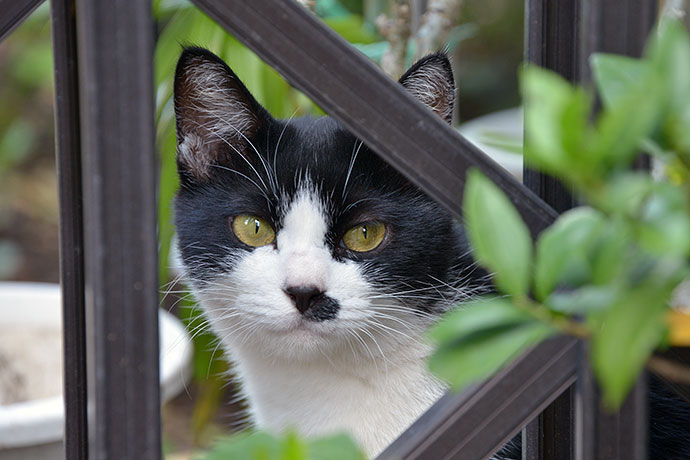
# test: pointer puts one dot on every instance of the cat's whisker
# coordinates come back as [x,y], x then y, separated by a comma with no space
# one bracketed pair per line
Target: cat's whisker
[349,169]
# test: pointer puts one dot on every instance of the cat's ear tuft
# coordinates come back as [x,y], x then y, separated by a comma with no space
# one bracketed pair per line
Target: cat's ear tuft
[215,113]
[431,81]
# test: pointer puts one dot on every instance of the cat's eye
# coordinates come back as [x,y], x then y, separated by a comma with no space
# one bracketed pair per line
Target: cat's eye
[364,237]
[253,230]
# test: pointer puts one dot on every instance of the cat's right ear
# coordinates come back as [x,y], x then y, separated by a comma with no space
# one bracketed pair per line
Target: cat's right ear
[216,115]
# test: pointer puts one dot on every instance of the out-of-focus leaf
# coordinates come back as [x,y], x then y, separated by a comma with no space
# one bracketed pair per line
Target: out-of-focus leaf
[338,447]
[263,446]
[585,300]
[664,221]
[670,54]
[500,238]
[352,28]
[623,125]
[616,75]
[625,193]
[563,250]
[611,255]
[556,121]
[16,143]
[625,335]
[477,339]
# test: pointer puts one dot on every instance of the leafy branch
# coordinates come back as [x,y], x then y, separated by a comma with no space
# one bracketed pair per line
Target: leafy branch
[603,272]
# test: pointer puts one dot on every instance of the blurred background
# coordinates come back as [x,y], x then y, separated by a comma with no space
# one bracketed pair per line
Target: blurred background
[483,37]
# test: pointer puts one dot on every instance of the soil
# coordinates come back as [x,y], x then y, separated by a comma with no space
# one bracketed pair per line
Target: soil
[31,363]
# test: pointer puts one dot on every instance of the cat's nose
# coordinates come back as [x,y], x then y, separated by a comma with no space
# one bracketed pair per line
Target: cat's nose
[303,296]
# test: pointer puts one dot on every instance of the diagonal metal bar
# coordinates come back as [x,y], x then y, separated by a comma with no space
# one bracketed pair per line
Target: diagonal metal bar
[476,423]
[13,13]
[68,161]
[115,52]
[353,90]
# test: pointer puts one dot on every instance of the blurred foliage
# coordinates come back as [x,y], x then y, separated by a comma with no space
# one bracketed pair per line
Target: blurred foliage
[263,446]
[603,272]
[28,202]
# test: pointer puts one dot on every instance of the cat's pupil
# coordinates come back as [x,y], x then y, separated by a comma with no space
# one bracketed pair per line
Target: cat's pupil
[256,226]
[364,231]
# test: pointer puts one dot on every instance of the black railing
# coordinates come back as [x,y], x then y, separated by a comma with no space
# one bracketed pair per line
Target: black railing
[105,158]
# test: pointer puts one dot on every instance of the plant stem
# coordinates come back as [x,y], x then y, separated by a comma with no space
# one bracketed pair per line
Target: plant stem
[396,30]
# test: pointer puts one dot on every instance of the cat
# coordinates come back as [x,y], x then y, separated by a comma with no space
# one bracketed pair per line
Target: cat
[319,266]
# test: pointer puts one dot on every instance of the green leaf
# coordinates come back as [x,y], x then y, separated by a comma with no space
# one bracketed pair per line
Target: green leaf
[499,237]
[556,122]
[338,447]
[626,334]
[479,338]
[585,300]
[563,248]
[611,255]
[623,125]
[664,221]
[616,75]
[625,193]
[249,446]
[264,446]
[670,54]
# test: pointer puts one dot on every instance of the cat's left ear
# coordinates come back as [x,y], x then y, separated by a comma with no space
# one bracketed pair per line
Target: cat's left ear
[431,81]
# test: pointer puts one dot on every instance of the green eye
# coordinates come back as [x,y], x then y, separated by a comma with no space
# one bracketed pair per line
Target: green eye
[252,230]
[364,237]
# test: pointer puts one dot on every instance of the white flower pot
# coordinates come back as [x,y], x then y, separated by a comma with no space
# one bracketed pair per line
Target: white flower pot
[33,429]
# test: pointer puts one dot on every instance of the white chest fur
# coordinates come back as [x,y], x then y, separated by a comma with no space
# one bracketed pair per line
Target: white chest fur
[362,372]
[373,403]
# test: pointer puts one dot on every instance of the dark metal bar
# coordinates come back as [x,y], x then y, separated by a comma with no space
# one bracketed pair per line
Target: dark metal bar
[604,435]
[552,41]
[476,423]
[68,161]
[352,89]
[13,13]
[550,436]
[117,137]
[552,37]
[613,27]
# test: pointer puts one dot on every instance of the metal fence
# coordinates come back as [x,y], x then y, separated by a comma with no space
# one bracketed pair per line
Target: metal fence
[106,171]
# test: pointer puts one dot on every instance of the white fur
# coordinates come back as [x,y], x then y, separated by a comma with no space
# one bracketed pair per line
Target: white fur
[362,372]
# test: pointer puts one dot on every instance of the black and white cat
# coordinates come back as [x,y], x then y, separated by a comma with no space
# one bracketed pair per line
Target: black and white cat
[316,263]
[318,266]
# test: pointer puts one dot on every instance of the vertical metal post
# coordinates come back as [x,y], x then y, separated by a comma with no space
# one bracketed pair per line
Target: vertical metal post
[613,27]
[603,435]
[561,36]
[117,137]
[552,37]
[68,161]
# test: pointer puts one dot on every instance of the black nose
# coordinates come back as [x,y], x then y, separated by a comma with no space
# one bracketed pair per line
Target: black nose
[304,297]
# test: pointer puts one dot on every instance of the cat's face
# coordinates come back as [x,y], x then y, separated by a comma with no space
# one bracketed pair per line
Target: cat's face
[294,234]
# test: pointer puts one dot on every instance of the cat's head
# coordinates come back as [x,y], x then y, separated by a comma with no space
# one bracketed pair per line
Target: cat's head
[298,237]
